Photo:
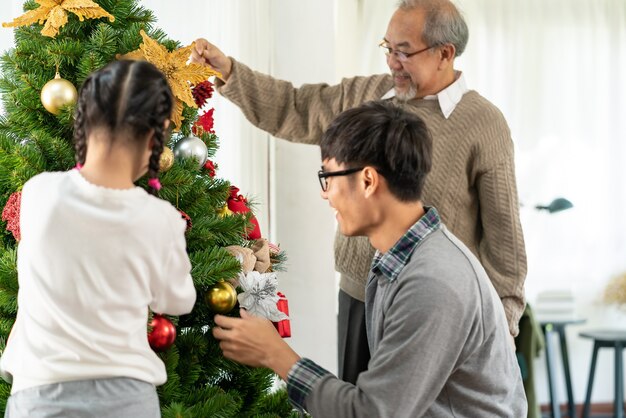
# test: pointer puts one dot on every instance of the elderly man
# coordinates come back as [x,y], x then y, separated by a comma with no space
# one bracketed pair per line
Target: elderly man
[472,183]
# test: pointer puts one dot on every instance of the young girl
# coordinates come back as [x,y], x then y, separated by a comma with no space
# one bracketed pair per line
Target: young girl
[95,253]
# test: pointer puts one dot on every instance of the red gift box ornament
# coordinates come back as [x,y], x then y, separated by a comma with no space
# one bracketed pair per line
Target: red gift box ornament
[283,327]
[238,204]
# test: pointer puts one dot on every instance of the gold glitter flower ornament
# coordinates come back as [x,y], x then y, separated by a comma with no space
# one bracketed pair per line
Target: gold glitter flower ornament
[180,75]
[54,14]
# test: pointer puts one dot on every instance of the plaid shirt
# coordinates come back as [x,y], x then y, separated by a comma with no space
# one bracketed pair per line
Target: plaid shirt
[305,373]
[391,263]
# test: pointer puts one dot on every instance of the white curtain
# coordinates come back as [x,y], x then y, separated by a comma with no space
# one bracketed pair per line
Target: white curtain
[557,70]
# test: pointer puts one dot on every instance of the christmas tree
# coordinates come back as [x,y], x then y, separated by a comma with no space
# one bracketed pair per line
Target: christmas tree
[68,39]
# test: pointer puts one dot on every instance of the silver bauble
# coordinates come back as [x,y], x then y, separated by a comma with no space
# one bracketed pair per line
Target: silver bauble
[191,147]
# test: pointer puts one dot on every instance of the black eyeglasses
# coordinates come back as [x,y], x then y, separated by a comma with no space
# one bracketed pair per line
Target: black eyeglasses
[400,55]
[323,175]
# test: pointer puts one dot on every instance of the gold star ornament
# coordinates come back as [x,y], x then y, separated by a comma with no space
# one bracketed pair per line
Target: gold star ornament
[180,75]
[54,14]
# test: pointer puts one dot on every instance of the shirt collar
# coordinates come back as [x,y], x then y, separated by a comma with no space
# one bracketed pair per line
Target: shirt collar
[391,263]
[448,98]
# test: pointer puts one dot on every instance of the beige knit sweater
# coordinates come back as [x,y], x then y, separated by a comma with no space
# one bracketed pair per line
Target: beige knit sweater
[472,182]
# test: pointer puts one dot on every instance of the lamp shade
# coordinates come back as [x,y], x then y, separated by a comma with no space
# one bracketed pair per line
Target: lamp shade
[556,205]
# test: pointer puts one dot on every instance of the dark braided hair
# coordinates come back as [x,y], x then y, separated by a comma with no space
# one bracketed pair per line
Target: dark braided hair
[124,97]
[80,138]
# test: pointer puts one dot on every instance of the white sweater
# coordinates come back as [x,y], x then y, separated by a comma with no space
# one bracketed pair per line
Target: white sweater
[91,260]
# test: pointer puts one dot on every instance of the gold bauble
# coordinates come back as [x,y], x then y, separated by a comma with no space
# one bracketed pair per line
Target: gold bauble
[58,93]
[167,159]
[221,298]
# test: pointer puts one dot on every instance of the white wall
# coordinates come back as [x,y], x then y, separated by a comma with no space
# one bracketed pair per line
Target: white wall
[301,221]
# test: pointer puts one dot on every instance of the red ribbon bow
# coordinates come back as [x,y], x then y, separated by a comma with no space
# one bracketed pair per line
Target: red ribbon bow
[238,204]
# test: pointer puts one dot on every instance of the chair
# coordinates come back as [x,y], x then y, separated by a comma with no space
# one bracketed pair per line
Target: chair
[557,327]
[615,339]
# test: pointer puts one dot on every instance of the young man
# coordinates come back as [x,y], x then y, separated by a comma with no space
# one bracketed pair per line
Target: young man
[435,326]
[472,183]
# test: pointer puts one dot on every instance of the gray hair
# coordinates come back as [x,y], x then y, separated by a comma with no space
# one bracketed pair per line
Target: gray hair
[444,24]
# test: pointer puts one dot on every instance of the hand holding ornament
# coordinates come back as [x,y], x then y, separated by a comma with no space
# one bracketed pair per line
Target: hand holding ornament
[205,53]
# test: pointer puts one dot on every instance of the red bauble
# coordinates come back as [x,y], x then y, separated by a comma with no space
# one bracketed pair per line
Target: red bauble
[163,333]
[11,214]
[238,204]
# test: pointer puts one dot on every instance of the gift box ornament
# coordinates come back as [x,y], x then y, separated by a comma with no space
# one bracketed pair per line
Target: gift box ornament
[260,298]
[283,327]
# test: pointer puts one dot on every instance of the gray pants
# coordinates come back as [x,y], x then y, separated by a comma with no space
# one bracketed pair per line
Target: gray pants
[101,398]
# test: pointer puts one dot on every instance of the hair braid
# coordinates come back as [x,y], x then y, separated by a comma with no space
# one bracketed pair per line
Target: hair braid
[80,136]
[162,113]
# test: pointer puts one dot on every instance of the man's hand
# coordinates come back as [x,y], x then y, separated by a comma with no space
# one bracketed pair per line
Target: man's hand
[205,53]
[254,341]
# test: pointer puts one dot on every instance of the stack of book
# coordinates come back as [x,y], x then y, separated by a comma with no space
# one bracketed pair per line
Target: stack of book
[555,305]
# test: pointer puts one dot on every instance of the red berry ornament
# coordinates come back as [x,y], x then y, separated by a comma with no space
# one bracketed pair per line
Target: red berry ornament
[11,214]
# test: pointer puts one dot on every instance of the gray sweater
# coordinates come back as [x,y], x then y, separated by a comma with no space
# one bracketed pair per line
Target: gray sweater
[439,342]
